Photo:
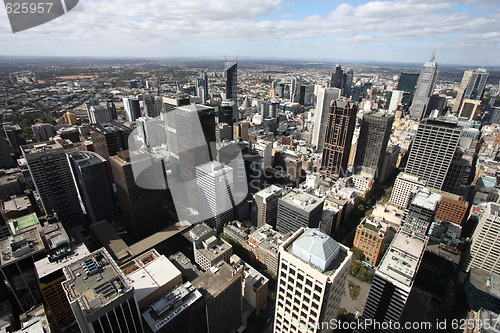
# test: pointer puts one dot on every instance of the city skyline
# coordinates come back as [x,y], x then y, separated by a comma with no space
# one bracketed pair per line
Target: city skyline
[463,32]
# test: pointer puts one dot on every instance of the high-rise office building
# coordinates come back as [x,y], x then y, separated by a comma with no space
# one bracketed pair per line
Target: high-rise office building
[142,209]
[392,285]
[485,244]
[51,174]
[407,83]
[231,70]
[337,80]
[424,90]
[221,288]
[298,209]
[295,86]
[16,138]
[100,296]
[265,210]
[98,114]
[215,182]
[471,87]
[347,84]
[421,209]
[17,268]
[404,184]
[92,175]
[312,277]
[228,112]
[323,102]
[150,106]
[132,108]
[372,142]
[338,137]
[112,110]
[432,151]
[43,132]
[110,138]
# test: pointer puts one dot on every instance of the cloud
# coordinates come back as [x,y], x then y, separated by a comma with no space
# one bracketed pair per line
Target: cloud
[140,24]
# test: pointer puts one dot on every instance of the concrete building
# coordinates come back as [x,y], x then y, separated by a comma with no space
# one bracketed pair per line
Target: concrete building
[482,290]
[132,108]
[471,87]
[264,244]
[99,114]
[485,243]
[182,309]
[265,206]
[51,175]
[323,101]
[394,277]
[16,138]
[298,209]
[100,296]
[221,289]
[211,251]
[341,120]
[110,138]
[312,277]
[452,207]
[214,181]
[432,151]
[404,184]
[421,210]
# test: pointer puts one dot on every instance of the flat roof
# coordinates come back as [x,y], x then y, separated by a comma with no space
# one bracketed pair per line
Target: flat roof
[41,147]
[110,239]
[480,278]
[45,267]
[161,236]
[269,191]
[400,262]
[24,222]
[215,251]
[94,280]
[303,200]
[189,270]
[26,243]
[216,280]
[152,276]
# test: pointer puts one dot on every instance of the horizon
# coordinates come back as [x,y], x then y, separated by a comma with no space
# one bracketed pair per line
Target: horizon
[464,32]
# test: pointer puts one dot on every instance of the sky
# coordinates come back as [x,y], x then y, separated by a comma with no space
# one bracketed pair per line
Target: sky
[465,32]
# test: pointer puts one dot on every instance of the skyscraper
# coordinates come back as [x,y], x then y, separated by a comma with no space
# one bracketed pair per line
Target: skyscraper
[101,297]
[132,108]
[471,87]
[150,107]
[391,286]
[485,243]
[295,90]
[16,138]
[142,209]
[110,138]
[338,137]
[98,114]
[424,90]
[407,83]
[92,175]
[312,276]
[51,175]
[6,160]
[372,142]
[337,80]
[215,182]
[43,132]
[231,69]
[432,151]
[323,101]
[265,208]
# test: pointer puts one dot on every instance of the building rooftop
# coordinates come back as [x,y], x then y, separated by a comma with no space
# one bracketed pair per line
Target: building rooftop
[149,272]
[22,245]
[303,200]
[426,199]
[214,168]
[189,270]
[401,261]
[158,237]
[86,158]
[170,305]
[16,204]
[217,279]
[213,248]
[23,222]
[111,240]
[316,247]
[269,191]
[94,281]
[486,282]
[41,147]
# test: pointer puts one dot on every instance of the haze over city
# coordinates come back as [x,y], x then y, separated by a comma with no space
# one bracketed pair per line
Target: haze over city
[464,32]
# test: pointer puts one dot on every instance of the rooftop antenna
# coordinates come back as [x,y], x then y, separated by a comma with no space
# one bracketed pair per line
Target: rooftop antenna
[433,55]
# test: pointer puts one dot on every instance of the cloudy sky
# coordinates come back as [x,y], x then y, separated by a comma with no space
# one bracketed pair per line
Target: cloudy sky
[463,32]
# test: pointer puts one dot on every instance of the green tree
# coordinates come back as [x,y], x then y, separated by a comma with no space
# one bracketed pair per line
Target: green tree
[357,254]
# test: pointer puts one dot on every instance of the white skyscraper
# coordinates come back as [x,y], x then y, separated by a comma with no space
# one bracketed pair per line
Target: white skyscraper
[324,98]
[394,277]
[132,108]
[485,242]
[424,90]
[215,182]
[312,276]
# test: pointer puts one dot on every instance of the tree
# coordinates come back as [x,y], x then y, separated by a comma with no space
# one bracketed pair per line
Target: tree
[357,254]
